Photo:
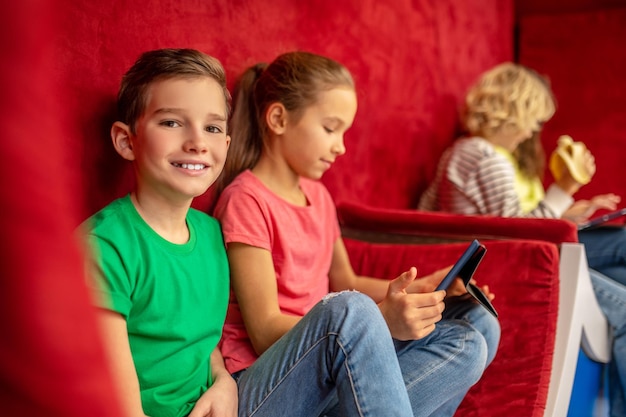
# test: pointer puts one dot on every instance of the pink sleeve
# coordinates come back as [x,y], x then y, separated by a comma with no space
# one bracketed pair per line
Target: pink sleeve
[244,218]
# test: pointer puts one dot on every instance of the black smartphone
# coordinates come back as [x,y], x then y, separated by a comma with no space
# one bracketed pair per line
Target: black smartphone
[464,268]
[466,265]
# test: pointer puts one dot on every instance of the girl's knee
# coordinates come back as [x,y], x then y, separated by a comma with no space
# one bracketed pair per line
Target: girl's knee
[353,310]
[350,302]
[480,350]
[469,348]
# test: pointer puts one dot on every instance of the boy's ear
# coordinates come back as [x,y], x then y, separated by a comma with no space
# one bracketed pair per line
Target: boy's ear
[276,118]
[121,137]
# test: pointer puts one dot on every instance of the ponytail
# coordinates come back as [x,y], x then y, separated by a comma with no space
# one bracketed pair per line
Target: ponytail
[246,133]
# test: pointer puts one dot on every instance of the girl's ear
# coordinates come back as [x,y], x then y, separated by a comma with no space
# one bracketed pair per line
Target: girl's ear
[276,118]
[121,137]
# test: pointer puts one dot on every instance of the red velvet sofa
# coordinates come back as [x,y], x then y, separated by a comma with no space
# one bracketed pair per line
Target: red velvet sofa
[412,62]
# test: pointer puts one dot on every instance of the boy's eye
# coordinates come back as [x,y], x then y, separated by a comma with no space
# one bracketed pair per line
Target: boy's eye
[328,130]
[214,129]
[170,123]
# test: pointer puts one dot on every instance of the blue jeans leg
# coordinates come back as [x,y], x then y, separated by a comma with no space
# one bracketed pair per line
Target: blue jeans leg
[341,351]
[480,319]
[439,369]
[606,251]
[611,297]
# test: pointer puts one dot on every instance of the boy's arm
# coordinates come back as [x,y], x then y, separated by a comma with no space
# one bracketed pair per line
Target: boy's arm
[117,349]
[220,400]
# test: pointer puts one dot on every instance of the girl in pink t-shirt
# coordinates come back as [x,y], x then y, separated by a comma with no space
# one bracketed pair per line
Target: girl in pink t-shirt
[299,343]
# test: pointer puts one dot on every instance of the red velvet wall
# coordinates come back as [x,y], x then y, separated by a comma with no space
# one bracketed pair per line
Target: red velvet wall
[412,61]
[582,54]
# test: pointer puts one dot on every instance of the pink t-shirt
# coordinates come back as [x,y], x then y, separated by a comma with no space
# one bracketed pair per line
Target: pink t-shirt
[301,241]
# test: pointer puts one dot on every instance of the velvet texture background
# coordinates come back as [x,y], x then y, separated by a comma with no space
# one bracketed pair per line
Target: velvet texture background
[522,275]
[412,61]
[581,55]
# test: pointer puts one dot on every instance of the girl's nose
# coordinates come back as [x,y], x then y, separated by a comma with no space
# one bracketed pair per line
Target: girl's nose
[339,147]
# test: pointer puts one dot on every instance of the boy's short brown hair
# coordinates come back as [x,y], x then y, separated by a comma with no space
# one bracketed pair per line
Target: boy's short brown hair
[163,64]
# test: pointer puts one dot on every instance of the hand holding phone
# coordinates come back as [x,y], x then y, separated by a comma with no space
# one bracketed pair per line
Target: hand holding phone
[464,268]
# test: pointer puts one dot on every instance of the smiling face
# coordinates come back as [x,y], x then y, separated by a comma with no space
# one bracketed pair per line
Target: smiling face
[312,141]
[180,143]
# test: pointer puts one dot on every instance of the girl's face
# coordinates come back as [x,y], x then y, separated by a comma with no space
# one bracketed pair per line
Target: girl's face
[313,142]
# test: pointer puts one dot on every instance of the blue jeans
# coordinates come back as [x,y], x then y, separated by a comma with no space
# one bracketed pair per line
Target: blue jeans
[340,359]
[606,251]
[611,297]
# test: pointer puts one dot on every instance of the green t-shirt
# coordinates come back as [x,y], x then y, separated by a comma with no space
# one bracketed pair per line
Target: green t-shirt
[173,297]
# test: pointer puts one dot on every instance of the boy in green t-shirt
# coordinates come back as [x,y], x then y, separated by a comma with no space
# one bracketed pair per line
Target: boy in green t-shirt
[159,268]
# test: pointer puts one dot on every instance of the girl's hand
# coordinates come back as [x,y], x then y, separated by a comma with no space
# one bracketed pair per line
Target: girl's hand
[411,316]
[581,210]
[428,283]
[485,290]
[220,400]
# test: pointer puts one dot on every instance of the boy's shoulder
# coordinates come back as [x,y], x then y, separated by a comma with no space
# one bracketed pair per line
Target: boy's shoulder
[202,219]
[115,215]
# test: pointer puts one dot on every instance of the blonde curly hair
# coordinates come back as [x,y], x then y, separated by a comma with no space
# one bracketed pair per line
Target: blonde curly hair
[508,96]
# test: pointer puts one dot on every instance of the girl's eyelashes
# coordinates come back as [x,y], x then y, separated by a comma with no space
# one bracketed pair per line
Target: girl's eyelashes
[328,130]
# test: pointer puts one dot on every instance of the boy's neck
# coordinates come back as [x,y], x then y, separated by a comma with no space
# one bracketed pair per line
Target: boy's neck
[168,220]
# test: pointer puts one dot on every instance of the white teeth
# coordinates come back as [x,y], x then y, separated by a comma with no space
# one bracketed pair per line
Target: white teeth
[193,167]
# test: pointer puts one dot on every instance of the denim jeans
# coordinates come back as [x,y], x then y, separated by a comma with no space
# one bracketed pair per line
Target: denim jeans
[606,251]
[340,360]
[611,297]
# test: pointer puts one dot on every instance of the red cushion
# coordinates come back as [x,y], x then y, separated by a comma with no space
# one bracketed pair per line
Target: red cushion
[524,277]
[445,226]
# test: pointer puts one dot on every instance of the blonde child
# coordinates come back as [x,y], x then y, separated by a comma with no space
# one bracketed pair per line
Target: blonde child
[382,351]
[496,171]
[160,270]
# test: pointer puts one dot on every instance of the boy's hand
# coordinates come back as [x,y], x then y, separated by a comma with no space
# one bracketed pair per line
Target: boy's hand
[411,316]
[220,400]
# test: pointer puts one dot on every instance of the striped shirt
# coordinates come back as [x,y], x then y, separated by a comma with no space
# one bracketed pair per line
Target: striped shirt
[474,178]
